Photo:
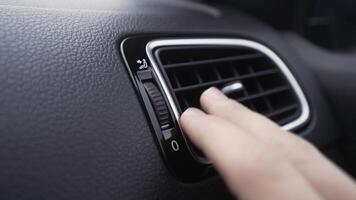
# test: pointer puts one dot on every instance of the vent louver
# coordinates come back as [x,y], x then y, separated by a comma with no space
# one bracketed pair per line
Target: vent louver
[190,69]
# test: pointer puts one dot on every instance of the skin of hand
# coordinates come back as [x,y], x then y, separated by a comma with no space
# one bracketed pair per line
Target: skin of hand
[256,158]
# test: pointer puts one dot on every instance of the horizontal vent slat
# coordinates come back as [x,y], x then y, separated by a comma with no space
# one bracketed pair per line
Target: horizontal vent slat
[281,110]
[213,61]
[264,93]
[287,119]
[222,81]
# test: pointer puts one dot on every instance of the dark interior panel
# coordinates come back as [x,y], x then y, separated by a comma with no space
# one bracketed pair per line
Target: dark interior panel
[336,74]
[74,128]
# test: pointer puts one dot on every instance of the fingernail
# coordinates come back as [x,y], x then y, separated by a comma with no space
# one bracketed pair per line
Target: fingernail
[215,93]
[193,112]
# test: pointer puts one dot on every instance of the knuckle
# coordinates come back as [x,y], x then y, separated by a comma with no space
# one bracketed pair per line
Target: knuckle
[306,147]
[298,149]
[260,163]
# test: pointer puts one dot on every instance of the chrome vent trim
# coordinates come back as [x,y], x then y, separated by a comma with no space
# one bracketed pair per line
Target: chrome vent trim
[152,45]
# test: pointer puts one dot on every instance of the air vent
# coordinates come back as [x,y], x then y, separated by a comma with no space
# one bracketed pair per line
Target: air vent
[170,75]
[187,67]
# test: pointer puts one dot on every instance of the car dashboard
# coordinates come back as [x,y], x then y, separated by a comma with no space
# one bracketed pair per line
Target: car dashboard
[81,121]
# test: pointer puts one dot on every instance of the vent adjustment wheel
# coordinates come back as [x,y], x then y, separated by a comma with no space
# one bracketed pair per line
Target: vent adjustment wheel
[158,104]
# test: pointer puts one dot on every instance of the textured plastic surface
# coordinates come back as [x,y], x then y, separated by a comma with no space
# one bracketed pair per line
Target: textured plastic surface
[71,124]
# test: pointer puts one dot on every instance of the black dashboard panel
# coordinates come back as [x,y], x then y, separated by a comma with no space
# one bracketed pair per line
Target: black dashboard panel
[73,126]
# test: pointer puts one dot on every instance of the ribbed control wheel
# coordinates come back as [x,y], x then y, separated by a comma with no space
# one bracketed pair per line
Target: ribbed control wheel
[158,104]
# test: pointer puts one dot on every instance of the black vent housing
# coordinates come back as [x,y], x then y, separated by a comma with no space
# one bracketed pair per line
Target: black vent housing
[170,74]
[189,70]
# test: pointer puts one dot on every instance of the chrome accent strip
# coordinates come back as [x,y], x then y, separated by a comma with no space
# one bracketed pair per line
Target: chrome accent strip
[305,113]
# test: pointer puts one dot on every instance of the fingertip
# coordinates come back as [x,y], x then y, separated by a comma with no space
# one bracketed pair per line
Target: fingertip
[212,93]
[191,113]
[192,121]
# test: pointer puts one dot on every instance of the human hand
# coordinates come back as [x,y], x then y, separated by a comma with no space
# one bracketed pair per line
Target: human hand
[259,160]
